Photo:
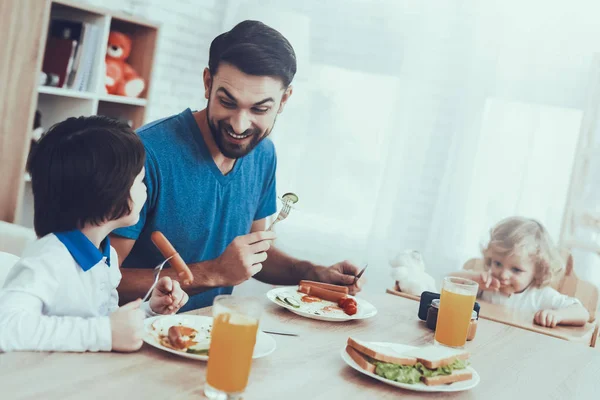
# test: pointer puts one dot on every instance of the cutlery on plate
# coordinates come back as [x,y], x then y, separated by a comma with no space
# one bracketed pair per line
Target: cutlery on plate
[280,333]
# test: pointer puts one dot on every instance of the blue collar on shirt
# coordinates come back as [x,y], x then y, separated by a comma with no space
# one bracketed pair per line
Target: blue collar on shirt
[83,251]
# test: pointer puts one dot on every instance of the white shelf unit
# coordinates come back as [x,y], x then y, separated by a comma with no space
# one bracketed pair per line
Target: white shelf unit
[65,92]
[57,104]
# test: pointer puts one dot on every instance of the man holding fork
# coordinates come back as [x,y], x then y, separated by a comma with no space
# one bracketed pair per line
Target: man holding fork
[210,176]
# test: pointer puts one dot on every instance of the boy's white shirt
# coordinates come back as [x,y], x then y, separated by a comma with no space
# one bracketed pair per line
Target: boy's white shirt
[49,303]
[532,299]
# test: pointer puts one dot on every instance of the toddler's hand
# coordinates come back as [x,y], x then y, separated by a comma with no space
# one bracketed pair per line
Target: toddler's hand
[167,297]
[488,282]
[547,318]
[127,327]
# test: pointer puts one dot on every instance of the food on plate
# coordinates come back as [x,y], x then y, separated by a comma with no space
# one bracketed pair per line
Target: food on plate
[314,291]
[288,301]
[432,365]
[167,250]
[310,299]
[380,353]
[321,293]
[349,305]
[329,286]
[183,338]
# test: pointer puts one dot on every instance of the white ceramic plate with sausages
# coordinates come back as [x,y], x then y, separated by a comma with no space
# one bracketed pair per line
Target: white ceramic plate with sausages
[159,326]
[417,387]
[322,310]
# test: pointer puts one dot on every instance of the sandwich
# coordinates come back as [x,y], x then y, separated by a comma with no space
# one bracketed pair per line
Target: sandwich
[432,365]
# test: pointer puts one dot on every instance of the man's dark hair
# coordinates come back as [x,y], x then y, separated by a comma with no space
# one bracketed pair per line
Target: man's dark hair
[82,171]
[255,49]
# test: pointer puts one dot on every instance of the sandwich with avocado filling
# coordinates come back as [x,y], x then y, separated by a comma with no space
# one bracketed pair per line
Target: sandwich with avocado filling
[432,365]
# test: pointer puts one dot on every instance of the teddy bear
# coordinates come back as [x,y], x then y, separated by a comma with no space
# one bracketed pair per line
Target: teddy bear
[408,270]
[121,79]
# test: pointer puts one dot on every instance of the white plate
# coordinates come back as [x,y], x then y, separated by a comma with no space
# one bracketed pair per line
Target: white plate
[418,387]
[315,310]
[264,346]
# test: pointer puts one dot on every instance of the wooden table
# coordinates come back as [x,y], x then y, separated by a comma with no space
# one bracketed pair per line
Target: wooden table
[583,334]
[513,363]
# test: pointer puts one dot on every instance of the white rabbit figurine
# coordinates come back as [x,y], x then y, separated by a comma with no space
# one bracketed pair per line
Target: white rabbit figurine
[408,270]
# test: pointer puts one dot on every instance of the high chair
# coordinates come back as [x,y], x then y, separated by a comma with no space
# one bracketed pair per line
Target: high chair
[567,283]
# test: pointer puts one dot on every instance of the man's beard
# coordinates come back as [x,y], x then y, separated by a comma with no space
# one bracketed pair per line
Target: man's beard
[232,150]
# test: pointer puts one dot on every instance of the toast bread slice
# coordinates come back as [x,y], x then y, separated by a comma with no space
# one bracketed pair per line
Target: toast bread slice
[360,360]
[433,357]
[381,353]
[456,376]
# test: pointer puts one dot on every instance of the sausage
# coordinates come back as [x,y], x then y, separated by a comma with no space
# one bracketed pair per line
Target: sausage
[335,288]
[321,293]
[167,250]
[304,289]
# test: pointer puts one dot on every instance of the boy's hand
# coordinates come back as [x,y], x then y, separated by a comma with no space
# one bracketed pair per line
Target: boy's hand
[488,282]
[127,327]
[547,318]
[167,297]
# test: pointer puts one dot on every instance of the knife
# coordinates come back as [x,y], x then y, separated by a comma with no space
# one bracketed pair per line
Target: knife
[357,277]
[280,333]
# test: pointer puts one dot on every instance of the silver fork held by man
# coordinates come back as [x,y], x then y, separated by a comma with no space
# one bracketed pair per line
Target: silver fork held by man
[282,215]
[288,199]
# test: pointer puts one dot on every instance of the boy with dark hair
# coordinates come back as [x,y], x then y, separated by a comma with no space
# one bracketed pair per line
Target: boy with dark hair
[87,179]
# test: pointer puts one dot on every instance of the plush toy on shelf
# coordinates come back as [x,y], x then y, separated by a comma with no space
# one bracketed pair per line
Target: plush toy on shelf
[408,270]
[121,78]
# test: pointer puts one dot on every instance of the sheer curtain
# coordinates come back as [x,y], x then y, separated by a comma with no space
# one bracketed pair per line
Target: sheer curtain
[418,125]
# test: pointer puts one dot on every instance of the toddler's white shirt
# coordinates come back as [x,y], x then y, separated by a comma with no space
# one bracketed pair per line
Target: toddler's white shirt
[531,300]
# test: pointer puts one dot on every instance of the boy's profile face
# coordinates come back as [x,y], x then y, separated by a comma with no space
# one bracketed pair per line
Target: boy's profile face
[513,271]
[138,195]
[242,108]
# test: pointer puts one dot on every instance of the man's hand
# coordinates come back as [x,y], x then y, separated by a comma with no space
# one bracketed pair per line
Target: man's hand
[243,258]
[167,297]
[342,273]
[127,327]
[549,318]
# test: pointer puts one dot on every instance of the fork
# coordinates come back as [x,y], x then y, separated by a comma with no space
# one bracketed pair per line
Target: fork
[157,270]
[282,214]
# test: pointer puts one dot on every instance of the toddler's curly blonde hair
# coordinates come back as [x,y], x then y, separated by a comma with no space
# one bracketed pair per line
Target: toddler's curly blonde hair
[525,237]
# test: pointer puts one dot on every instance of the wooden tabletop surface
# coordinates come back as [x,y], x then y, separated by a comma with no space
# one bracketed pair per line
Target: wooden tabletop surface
[512,362]
[493,312]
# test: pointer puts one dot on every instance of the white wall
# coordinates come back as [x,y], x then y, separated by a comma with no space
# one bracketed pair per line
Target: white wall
[391,136]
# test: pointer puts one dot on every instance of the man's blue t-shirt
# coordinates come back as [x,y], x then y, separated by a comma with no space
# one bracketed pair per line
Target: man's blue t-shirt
[192,203]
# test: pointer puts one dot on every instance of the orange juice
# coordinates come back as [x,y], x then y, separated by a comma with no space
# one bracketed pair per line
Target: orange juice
[230,355]
[454,316]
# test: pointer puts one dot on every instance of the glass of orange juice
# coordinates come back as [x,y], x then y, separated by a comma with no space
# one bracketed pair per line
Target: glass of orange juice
[454,316]
[233,335]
